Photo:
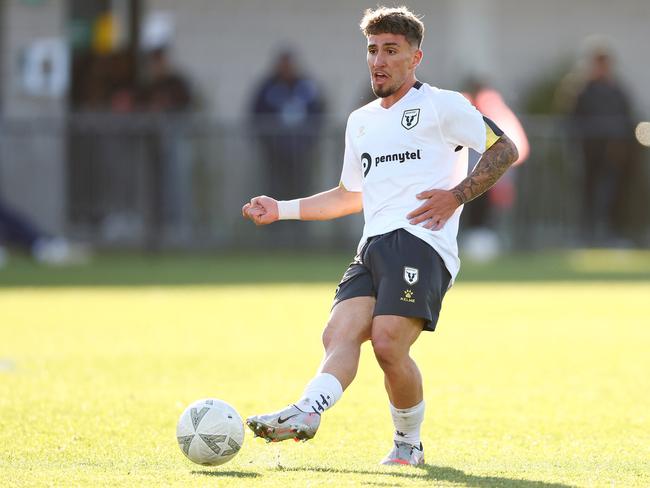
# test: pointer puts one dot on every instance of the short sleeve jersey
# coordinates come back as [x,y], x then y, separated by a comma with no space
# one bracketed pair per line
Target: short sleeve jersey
[419,143]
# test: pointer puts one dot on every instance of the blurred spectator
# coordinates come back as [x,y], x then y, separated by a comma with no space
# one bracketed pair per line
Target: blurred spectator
[102,155]
[18,231]
[603,124]
[96,78]
[167,94]
[166,90]
[287,114]
[480,217]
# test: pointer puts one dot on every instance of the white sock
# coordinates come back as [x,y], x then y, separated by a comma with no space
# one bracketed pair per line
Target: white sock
[407,423]
[321,393]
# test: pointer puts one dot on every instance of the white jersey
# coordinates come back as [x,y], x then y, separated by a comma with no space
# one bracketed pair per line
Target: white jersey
[420,143]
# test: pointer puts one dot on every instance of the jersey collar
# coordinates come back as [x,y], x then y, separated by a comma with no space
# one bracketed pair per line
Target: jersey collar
[417,85]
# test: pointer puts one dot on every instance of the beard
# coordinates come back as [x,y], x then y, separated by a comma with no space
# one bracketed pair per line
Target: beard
[383,91]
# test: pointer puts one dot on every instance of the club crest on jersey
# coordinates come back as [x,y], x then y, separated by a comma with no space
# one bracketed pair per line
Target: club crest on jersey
[410,118]
[411,275]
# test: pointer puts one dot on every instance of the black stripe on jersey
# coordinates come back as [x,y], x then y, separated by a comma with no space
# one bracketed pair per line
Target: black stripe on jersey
[495,128]
[417,85]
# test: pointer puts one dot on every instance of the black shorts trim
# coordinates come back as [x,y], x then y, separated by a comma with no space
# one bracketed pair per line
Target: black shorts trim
[405,274]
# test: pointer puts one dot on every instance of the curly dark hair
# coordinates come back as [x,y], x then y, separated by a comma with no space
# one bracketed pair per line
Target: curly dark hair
[393,20]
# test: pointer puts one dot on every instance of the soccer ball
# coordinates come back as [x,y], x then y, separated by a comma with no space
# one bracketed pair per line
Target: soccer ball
[210,432]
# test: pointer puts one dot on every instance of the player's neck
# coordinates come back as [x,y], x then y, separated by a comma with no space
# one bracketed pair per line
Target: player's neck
[391,100]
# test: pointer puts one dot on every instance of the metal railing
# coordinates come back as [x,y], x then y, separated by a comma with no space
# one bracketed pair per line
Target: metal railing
[160,182]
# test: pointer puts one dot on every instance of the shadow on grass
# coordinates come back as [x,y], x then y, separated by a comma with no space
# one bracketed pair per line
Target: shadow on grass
[444,473]
[226,474]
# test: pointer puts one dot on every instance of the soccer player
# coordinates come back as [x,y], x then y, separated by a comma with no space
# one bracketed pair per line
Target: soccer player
[405,166]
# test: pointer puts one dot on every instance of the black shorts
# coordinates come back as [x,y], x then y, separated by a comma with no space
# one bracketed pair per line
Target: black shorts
[405,274]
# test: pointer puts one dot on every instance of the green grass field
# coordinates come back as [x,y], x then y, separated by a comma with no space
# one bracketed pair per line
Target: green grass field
[528,383]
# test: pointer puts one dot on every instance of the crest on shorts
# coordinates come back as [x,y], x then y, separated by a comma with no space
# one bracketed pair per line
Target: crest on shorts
[410,118]
[411,275]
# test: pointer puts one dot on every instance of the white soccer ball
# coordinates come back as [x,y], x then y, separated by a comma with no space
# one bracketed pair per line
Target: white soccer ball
[210,432]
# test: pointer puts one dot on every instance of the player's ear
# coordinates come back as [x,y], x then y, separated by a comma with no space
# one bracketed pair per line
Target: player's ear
[417,58]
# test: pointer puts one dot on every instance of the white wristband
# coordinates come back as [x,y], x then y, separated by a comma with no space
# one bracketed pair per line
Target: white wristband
[289,209]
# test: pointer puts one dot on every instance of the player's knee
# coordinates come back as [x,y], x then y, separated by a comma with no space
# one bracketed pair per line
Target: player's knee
[386,349]
[328,335]
[337,333]
[334,334]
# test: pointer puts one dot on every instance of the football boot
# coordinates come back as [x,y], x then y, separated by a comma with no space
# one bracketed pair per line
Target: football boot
[405,453]
[288,423]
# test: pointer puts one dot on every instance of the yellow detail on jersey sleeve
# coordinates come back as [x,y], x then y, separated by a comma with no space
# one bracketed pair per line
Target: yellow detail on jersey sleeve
[491,137]
[492,131]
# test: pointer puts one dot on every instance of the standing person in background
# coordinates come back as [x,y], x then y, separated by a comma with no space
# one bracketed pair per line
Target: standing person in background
[603,123]
[166,90]
[167,94]
[287,111]
[405,167]
[481,240]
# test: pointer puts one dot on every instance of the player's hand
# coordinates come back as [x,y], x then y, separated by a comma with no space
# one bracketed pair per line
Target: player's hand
[261,210]
[435,211]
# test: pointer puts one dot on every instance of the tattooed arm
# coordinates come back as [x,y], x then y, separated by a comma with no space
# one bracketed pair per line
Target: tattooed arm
[494,162]
[439,205]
